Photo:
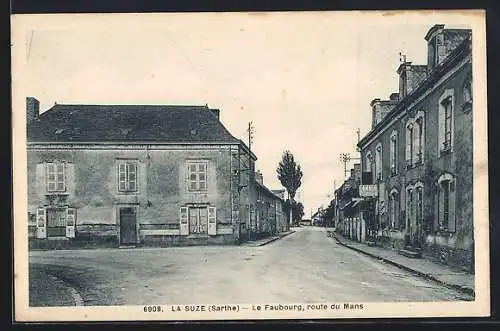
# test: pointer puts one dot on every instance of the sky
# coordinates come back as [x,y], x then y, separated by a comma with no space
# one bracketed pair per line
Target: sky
[305,80]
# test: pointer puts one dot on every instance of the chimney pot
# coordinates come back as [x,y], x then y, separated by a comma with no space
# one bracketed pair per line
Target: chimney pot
[32,109]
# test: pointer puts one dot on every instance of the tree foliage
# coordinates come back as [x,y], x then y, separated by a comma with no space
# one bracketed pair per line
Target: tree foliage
[297,210]
[329,212]
[289,173]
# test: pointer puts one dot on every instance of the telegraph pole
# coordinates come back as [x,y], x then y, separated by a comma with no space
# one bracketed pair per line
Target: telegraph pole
[345,158]
[251,132]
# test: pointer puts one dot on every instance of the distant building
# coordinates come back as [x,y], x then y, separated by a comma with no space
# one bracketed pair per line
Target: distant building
[419,154]
[270,210]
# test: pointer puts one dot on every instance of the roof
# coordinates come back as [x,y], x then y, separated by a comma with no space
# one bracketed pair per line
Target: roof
[129,123]
[268,191]
[460,52]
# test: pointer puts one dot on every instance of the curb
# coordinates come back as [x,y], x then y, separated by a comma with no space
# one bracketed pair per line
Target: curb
[274,239]
[463,289]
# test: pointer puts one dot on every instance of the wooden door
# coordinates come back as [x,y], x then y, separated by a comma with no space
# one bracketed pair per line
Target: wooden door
[198,220]
[128,226]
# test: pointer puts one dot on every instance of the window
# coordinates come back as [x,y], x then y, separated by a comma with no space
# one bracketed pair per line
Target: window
[197,175]
[56,177]
[394,208]
[127,176]
[446,203]
[446,121]
[447,124]
[378,161]
[409,144]
[368,162]
[467,91]
[419,139]
[394,152]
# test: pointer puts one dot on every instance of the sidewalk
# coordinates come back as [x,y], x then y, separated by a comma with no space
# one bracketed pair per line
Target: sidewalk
[265,241]
[441,274]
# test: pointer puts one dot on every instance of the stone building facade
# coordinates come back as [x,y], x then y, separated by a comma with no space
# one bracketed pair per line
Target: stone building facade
[270,210]
[419,153]
[134,175]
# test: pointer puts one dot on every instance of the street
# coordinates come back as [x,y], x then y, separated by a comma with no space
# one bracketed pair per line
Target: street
[306,266]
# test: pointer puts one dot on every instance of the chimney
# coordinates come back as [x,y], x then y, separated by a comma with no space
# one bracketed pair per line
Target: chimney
[216,112]
[441,42]
[394,96]
[380,108]
[259,178]
[32,109]
[410,77]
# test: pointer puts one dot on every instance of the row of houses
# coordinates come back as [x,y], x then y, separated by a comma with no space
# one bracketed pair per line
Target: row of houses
[143,174]
[412,190]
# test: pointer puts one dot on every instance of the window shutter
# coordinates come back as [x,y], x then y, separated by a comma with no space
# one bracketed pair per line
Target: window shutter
[41,223]
[440,212]
[422,143]
[69,178]
[452,217]
[40,179]
[61,177]
[441,127]
[132,176]
[70,222]
[122,177]
[183,219]
[408,145]
[414,141]
[212,221]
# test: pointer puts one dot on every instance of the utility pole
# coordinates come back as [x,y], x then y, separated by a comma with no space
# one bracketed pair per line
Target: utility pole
[251,132]
[345,158]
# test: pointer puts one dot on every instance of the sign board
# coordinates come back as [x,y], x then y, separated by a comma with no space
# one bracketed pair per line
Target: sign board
[368,191]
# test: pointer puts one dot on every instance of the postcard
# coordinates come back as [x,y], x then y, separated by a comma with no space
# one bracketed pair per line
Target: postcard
[246,166]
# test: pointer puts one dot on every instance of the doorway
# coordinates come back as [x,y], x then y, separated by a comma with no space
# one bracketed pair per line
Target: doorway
[198,220]
[128,226]
[56,222]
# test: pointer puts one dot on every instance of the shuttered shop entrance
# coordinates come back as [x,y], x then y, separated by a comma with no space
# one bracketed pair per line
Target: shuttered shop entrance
[56,222]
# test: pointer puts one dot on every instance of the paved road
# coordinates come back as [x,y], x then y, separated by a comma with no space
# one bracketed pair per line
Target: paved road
[306,266]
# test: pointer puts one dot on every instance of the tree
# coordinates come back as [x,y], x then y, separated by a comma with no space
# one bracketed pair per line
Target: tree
[329,213]
[297,210]
[290,176]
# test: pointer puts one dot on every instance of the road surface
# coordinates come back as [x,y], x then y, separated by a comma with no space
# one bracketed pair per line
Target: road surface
[306,266]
